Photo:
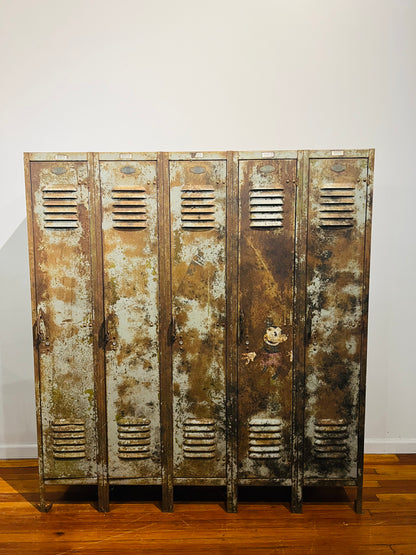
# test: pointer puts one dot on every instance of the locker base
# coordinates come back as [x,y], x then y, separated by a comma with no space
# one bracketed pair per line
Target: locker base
[358,505]
[44,506]
[296,505]
[104,498]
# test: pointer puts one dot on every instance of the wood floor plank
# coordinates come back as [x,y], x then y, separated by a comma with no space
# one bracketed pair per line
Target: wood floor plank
[328,523]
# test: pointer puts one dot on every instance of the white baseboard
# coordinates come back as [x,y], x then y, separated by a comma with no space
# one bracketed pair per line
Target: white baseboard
[375,446]
[22,451]
[393,445]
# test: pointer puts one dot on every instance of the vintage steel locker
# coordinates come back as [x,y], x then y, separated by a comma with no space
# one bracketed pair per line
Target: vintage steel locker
[266,264]
[131,314]
[200,318]
[63,319]
[198,202]
[334,316]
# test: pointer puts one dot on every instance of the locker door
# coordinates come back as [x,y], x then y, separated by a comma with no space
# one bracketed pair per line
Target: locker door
[336,233]
[61,227]
[266,264]
[131,290]
[198,197]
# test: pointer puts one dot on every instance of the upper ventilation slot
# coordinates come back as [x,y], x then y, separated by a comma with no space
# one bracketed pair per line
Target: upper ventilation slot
[129,207]
[266,207]
[198,209]
[60,207]
[337,205]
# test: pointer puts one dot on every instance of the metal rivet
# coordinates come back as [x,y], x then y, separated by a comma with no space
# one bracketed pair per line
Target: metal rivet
[114,343]
[47,343]
[247,342]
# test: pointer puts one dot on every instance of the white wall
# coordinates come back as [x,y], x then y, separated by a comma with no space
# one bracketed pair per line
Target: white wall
[86,75]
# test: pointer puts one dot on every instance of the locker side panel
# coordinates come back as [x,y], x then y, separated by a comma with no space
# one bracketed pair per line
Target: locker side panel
[267,226]
[60,200]
[336,236]
[198,196]
[131,290]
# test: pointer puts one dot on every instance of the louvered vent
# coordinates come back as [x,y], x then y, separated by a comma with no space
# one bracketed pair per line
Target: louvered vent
[337,205]
[60,207]
[330,440]
[266,207]
[133,438]
[198,208]
[199,438]
[129,208]
[265,438]
[68,439]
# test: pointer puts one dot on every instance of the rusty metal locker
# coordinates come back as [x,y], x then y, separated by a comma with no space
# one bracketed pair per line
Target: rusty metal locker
[198,211]
[59,226]
[129,211]
[266,264]
[335,299]
[200,318]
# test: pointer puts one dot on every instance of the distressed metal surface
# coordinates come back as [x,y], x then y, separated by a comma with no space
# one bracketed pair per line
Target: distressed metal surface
[267,226]
[64,317]
[198,308]
[131,296]
[337,216]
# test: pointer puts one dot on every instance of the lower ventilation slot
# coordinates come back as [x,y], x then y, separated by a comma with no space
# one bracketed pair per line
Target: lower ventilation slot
[133,438]
[199,438]
[265,438]
[68,439]
[330,439]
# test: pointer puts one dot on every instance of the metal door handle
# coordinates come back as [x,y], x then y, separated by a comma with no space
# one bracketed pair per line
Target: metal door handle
[172,331]
[241,326]
[308,330]
[40,328]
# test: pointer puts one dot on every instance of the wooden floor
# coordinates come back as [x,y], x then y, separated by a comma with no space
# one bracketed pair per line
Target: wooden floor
[201,525]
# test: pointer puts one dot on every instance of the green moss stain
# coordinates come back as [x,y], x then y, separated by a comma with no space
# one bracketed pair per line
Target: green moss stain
[90,393]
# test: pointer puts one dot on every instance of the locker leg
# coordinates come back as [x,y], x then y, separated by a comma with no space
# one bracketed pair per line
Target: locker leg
[359,500]
[44,505]
[104,498]
[296,500]
[232,498]
[167,498]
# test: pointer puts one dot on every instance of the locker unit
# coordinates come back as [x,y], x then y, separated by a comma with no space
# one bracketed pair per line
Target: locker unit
[200,318]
